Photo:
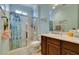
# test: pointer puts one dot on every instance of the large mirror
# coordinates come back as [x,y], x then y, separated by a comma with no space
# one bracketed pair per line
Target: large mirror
[65,17]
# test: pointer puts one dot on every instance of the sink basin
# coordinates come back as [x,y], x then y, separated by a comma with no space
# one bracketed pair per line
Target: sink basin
[57,32]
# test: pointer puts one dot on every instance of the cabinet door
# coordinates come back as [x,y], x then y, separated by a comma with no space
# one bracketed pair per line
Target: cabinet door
[68,52]
[43,45]
[53,49]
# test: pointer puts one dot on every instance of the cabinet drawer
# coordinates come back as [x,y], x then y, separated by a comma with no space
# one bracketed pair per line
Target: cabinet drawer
[53,41]
[71,46]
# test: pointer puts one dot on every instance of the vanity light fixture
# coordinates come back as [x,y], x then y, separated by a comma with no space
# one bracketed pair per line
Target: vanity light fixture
[55,6]
[20,12]
[24,13]
[17,11]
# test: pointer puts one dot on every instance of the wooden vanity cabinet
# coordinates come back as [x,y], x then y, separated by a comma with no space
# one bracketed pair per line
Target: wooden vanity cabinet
[69,48]
[68,52]
[50,46]
[53,49]
[53,46]
[43,45]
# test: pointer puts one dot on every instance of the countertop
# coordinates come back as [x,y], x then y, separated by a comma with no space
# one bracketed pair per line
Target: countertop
[63,37]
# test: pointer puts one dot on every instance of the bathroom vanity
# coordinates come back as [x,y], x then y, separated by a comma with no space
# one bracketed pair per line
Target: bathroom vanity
[54,44]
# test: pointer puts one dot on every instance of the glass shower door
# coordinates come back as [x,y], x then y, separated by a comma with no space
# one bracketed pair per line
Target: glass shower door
[15,31]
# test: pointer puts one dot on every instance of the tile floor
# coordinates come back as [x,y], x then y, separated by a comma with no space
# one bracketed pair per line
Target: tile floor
[29,50]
